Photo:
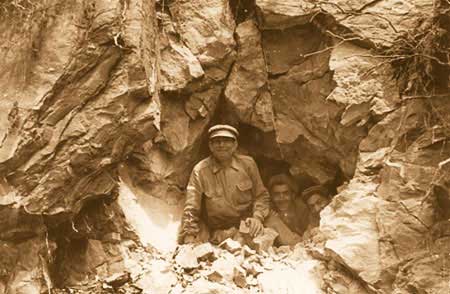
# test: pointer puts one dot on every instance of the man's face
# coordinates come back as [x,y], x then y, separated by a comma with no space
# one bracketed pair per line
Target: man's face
[222,148]
[281,196]
[317,202]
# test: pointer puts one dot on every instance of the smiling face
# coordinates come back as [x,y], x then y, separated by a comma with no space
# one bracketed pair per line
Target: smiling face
[222,148]
[281,196]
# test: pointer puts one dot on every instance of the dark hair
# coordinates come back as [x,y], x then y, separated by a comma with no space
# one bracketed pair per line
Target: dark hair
[282,179]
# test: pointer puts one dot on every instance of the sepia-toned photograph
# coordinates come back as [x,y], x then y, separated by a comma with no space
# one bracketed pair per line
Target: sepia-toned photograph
[225,147]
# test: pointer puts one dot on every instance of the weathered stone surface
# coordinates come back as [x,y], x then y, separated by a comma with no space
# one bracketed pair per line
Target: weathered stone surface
[349,225]
[425,271]
[118,279]
[293,278]
[163,169]
[204,251]
[225,266]
[206,27]
[308,124]
[239,277]
[230,245]
[392,224]
[379,22]
[264,241]
[51,158]
[338,281]
[363,85]
[154,220]
[283,14]
[247,89]
[289,49]
[186,257]
[393,126]
[88,86]
[178,66]
[74,105]
[24,266]
[159,280]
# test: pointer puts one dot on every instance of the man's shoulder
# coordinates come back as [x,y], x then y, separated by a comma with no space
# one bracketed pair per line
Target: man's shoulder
[245,158]
[202,164]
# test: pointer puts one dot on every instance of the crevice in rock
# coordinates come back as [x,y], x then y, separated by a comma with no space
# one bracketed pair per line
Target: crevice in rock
[88,244]
[242,10]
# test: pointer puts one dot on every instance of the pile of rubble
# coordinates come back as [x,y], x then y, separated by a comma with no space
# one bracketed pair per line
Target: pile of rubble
[229,267]
[236,268]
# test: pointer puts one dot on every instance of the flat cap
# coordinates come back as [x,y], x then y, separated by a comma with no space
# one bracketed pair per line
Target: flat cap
[223,131]
[321,190]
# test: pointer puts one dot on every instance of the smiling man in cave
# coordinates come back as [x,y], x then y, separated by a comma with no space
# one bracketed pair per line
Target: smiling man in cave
[226,188]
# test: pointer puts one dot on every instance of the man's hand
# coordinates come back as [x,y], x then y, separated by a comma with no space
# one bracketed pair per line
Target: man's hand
[255,226]
[189,239]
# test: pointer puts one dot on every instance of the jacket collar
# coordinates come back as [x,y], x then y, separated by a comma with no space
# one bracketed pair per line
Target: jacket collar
[216,166]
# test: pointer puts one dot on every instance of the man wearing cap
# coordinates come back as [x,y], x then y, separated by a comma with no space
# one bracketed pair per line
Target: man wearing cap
[227,188]
[316,198]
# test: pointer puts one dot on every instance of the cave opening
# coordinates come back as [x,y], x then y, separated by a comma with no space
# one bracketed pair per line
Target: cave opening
[309,196]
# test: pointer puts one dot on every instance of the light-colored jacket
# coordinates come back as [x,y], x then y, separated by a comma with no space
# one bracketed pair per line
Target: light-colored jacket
[226,194]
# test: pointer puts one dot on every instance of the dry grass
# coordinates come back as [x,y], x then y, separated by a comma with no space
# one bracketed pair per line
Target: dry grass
[420,57]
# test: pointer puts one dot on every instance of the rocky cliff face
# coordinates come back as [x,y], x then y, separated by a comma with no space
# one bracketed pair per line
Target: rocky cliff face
[352,95]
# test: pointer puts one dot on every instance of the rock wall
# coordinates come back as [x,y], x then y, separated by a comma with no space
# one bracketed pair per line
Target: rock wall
[346,94]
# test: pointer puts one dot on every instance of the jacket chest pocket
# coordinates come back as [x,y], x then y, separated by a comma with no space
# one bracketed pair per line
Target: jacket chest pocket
[213,193]
[244,192]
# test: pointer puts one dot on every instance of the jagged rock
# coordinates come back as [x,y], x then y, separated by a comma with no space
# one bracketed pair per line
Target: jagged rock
[284,14]
[112,237]
[230,245]
[264,241]
[158,280]
[308,124]
[247,90]
[351,231]
[239,277]
[382,134]
[225,266]
[59,162]
[118,279]
[70,111]
[214,276]
[206,27]
[252,268]
[426,271]
[204,251]
[284,249]
[86,88]
[293,49]
[364,94]
[339,281]
[186,257]
[201,286]
[24,266]
[162,170]
[247,251]
[391,214]
[178,65]
[300,278]
[379,23]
